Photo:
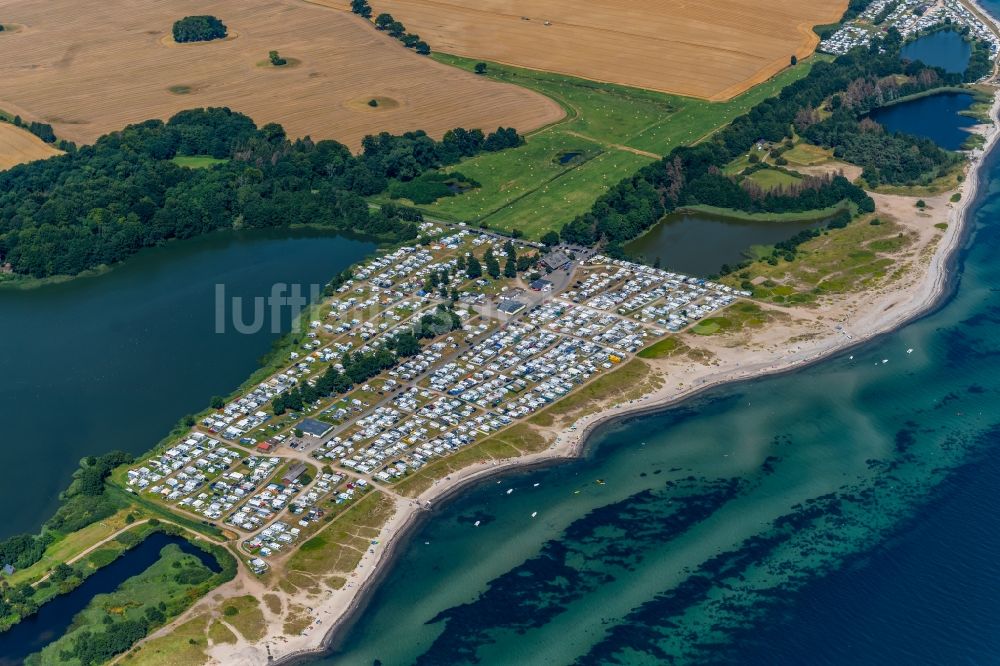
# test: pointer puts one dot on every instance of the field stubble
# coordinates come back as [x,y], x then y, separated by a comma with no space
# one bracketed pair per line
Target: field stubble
[712,50]
[105,64]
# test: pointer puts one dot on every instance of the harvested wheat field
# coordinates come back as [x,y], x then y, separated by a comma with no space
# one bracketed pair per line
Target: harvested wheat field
[108,63]
[713,49]
[18,146]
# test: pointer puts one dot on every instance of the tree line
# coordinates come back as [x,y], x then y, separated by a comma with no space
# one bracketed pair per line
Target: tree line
[104,202]
[691,175]
[43,131]
[386,23]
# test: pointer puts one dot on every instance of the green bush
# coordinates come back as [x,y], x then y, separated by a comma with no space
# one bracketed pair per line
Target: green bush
[192,575]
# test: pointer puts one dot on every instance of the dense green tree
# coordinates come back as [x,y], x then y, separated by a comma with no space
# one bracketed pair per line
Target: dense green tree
[61,572]
[473,268]
[198,29]
[104,202]
[492,264]
[406,344]
[361,8]
[510,267]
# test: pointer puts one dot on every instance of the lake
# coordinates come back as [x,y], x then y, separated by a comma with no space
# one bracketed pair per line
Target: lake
[935,117]
[54,618]
[699,244]
[945,49]
[113,361]
[841,514]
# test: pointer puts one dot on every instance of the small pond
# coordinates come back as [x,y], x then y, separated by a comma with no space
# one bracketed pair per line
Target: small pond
[945,49]
[935,117]
[54,618]
[699,244]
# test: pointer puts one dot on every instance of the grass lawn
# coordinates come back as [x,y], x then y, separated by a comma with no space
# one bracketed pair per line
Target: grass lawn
[663,349]
[769,179]
[69,546]
[197,161]
[244,615]
[615,129]
[736,317]
[184,645]
[339,546]
[805,154]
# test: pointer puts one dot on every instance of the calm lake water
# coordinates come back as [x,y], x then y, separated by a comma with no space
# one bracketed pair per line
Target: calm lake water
[54,617]
[945,49]
[113,361]
[935,117]
[841,514]
[699,244]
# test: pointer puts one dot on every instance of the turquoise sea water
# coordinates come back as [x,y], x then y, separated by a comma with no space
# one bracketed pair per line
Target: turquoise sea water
[841,514]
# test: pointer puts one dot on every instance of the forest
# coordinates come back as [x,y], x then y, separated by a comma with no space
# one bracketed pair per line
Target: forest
[101,203]
[846,89]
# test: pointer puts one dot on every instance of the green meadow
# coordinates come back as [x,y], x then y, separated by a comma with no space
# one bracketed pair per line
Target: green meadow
[609,132]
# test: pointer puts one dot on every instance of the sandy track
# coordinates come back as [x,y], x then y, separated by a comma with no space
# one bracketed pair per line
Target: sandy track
[109,62]
[711,49]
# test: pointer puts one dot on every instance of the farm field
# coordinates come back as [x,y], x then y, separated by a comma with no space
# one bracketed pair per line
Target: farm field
[609,133]
[111,62]
[18,146]
[713,50]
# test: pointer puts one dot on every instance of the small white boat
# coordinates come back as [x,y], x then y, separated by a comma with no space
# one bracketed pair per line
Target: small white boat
[884,361]
[536,485]
[534,513]
[510,490]
[910,350]
[476,523]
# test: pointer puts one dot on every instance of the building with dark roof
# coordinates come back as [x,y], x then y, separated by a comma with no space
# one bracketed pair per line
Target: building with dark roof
[541,285]
[511,307]
[313,427]
[293,473]
[554,260]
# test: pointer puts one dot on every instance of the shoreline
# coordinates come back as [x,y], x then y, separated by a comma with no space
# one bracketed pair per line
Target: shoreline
[931,292]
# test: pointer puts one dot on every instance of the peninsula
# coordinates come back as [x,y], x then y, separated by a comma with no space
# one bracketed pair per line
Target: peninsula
[460,351]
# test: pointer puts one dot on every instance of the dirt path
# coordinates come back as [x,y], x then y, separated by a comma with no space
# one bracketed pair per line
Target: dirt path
[115,535]
[616,146]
